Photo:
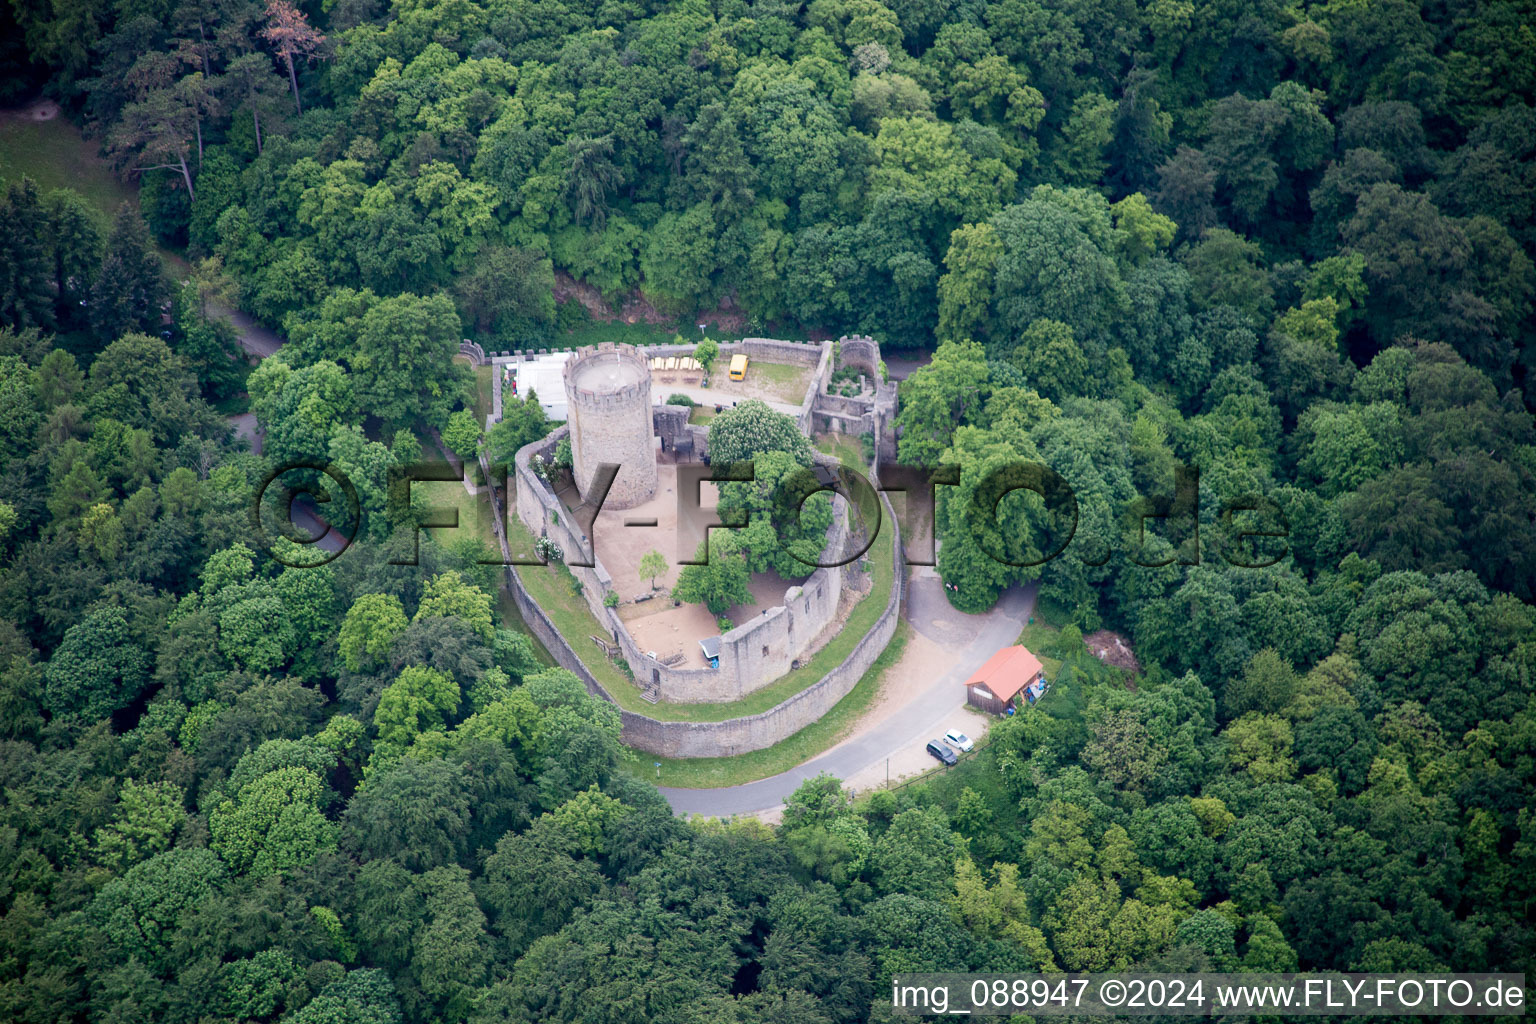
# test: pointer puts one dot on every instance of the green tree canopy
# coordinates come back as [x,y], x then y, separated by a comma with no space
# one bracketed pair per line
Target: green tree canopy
[274,823]
[749,429]
[99,668]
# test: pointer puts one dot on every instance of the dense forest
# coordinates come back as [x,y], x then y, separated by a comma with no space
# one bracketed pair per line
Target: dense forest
[1286,244]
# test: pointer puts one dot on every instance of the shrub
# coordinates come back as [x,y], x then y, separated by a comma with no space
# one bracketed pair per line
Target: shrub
[548,550]
[571,314]
[706,353]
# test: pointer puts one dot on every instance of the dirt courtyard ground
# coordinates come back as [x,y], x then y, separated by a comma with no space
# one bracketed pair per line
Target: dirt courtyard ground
[655,624]
[782,383]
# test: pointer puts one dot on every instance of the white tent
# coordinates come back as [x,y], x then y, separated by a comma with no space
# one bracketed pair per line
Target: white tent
[545,375]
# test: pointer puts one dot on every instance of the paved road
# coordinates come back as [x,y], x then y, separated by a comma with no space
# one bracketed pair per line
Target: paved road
[302,515]
[245,426]
[974,638]
[257,340]
[901,369]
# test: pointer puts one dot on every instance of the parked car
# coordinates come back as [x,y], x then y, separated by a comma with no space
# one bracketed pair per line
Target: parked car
[959,740]
[943,753]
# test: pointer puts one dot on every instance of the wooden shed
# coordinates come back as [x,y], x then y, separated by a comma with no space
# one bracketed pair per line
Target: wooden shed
[999,681]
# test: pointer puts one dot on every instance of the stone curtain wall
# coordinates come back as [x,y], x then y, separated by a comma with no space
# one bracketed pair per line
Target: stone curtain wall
[537,621]
[778,723]
[736,735]
[782,632]
[682,739]
[544,516]
[803,353]
[770,644]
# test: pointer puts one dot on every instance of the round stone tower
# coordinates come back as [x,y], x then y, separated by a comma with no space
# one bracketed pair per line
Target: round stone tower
[608,390]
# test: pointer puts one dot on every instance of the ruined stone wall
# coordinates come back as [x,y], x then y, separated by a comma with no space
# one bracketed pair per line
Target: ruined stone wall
[670,423]
[694,739]
[755,732]
[860,352]
[870,414]
[754,654]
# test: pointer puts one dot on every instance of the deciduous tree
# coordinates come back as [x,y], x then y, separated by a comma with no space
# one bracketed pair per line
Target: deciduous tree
[652,564]
[99,668]
[273,824]
[721,581]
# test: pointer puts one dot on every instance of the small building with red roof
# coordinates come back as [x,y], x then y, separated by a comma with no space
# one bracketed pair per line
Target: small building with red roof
[1009,672]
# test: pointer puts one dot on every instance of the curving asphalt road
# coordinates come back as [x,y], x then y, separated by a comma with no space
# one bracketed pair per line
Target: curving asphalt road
[327,538]
[257,340]
[974,639]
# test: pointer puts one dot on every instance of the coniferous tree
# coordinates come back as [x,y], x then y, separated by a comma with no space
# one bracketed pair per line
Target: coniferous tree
[130,285]
[77,245]
[25,300]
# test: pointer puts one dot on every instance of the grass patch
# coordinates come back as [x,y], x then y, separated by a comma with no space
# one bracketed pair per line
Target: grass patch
[942,786]
[701,415]
[1039,638]
[821,735]
[53,154]
[550,587]
[849,450]
[484,402]
[786,380]
[474,511]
